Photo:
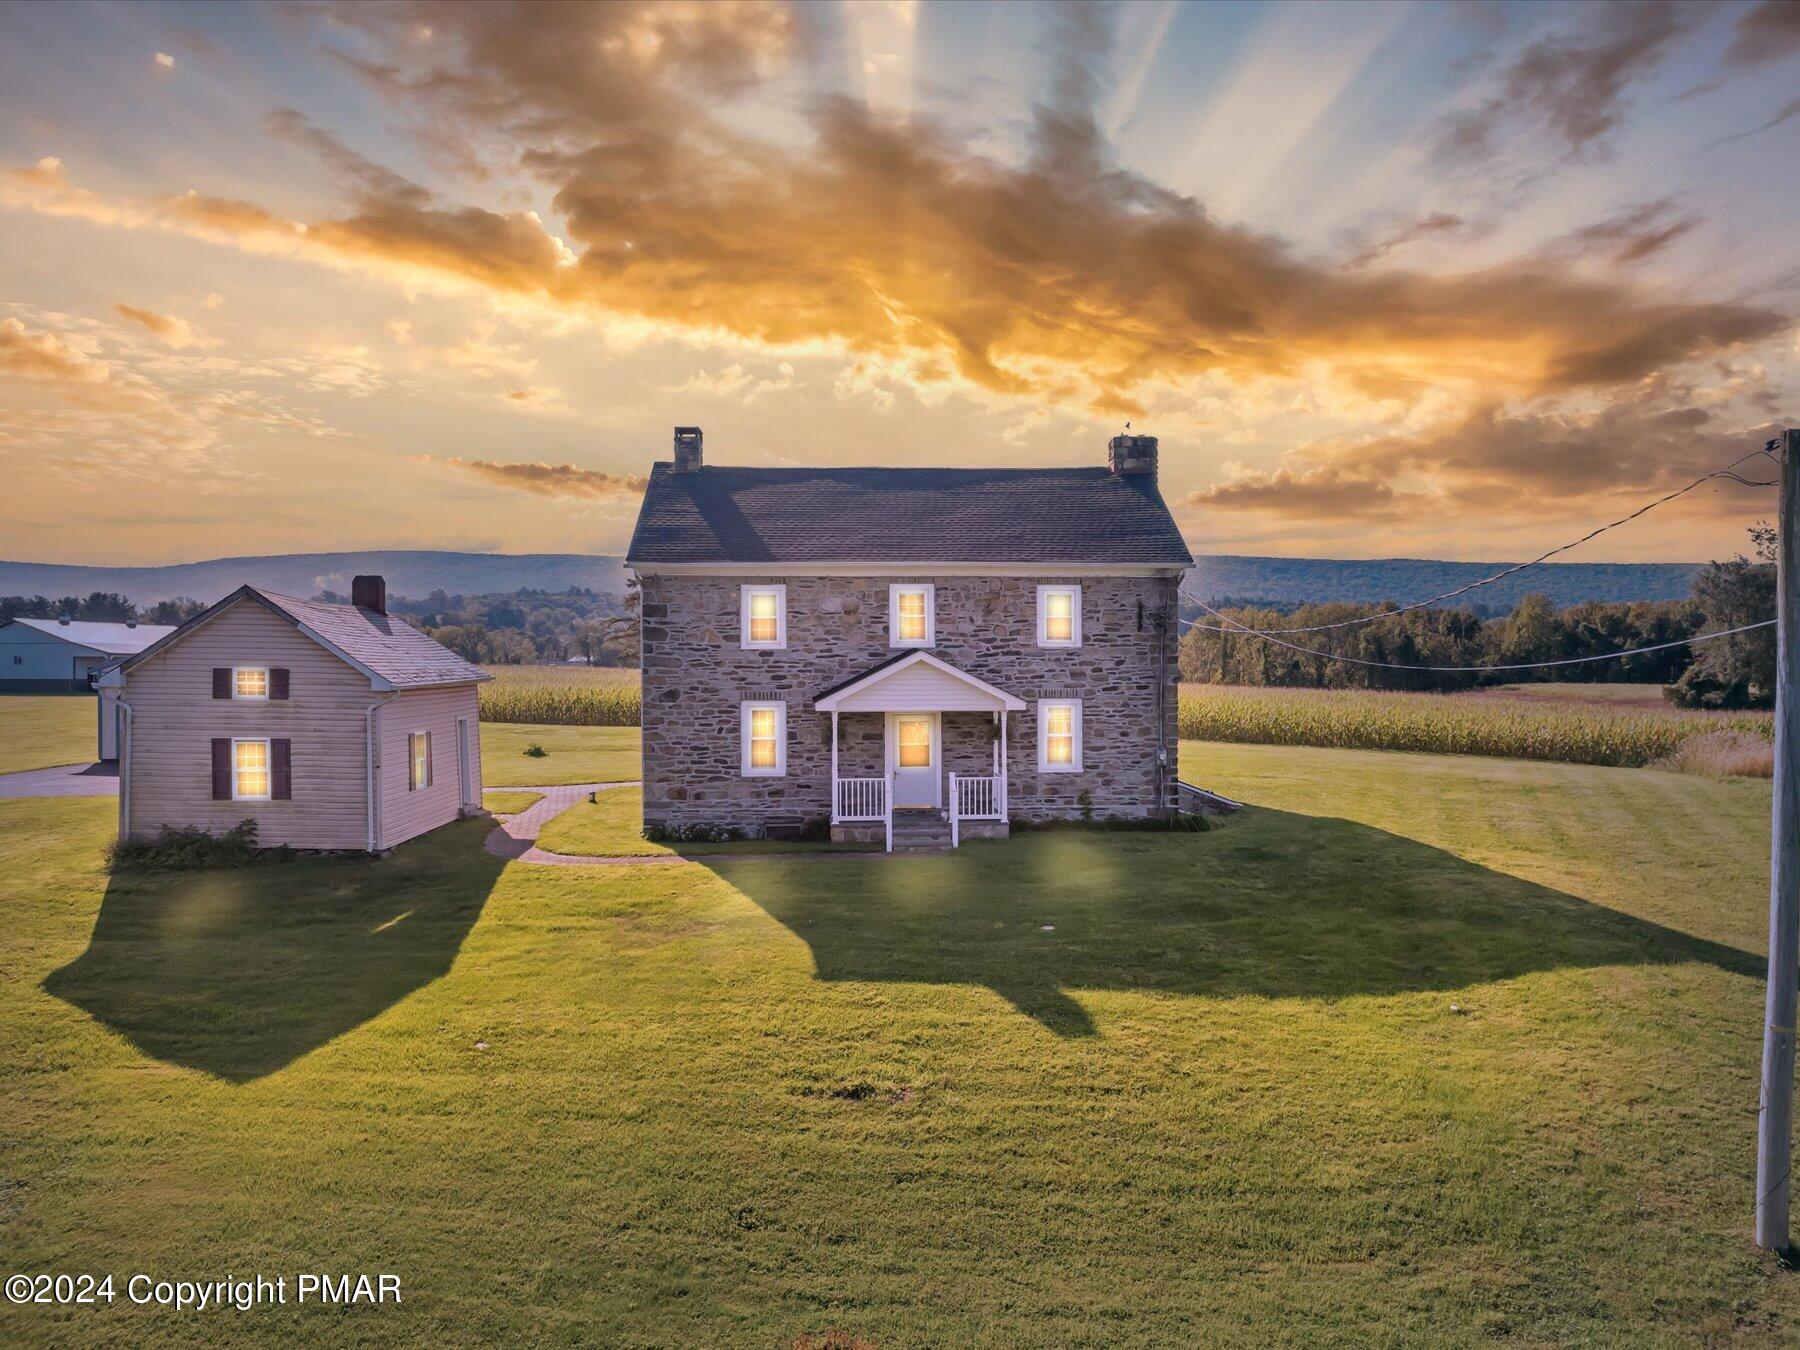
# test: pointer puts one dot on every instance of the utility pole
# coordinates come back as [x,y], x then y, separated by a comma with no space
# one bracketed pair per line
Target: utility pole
[1775,1114]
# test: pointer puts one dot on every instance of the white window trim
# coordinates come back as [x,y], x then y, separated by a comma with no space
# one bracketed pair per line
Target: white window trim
[894,590]
[744,712]
[1043,617]
[251,698]
[268,770]
[412,760]
[1043,735]
[779,590]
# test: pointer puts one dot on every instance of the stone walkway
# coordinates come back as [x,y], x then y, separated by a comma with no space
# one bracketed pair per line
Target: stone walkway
[65,780]
[516,838]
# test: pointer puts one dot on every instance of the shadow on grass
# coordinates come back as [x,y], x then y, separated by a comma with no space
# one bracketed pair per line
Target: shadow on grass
[1273,905]
[239,973]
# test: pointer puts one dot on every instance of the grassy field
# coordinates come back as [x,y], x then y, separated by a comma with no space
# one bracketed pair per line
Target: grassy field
[1550,722]
[572,754]
[40,730]
[510,803]
[1418,1050]
[612,827]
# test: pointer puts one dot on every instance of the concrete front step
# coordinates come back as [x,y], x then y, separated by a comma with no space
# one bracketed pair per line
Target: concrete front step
[920,832]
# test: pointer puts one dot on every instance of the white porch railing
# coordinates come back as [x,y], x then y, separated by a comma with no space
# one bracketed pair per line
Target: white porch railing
[974,797]
[860,799]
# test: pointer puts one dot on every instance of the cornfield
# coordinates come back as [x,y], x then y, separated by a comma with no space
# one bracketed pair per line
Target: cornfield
[584,696]
[1451,724]
[1530,725]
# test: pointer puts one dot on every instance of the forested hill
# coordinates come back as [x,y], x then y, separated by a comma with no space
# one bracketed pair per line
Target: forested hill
[416,572]
[1217,577]
[1316,580]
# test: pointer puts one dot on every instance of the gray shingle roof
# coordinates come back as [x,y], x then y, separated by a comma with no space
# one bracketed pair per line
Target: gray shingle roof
[390,647]
[115,639]
[740,515]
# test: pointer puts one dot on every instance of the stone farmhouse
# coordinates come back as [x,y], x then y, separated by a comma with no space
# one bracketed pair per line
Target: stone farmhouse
[920,654]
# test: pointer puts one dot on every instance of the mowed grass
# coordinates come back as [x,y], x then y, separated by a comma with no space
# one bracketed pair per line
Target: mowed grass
[1621,732]
[510,803]
[38,731]
[572,754]
[611,826]
[1222,1099]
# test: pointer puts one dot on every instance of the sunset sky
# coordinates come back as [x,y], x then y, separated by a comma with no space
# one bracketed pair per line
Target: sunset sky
[1386,279]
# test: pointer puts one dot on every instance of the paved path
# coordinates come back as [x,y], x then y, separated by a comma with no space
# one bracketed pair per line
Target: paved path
[516,837]
[65,780]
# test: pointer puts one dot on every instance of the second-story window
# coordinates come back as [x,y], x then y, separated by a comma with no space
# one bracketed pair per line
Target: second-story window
[912,621]
[1059,616]
[765,616]
[250,682]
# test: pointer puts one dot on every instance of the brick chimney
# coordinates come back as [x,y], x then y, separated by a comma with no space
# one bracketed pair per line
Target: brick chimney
[1132,455]
[369,593]
[687,449]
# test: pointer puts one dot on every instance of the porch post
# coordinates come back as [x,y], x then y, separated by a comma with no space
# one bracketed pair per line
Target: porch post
[834,771]
[1005,814]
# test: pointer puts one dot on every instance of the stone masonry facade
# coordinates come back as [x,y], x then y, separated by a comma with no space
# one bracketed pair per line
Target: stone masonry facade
[696,674]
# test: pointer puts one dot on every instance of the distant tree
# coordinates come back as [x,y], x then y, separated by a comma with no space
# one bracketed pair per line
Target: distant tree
[1739,671]
[178,610]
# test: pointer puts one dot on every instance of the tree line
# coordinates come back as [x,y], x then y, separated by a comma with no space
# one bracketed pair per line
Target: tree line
[1734,672]
[98,607]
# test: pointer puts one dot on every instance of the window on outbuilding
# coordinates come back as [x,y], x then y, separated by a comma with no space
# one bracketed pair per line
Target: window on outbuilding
[1059,616]
[1059,736]
[250,682]
[418,755]
[250,771]
[912,616]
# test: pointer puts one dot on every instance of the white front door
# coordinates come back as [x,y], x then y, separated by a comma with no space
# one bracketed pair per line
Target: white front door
[913,747]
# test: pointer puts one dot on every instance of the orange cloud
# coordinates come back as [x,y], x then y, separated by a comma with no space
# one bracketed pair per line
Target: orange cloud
[177,333]
[45,356]
[563,481]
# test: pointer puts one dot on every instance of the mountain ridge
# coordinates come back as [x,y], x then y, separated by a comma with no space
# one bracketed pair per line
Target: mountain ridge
[418,572]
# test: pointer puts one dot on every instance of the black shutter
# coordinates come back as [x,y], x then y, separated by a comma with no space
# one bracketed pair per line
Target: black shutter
[221,768]
[221,681]
[281,777]
[278,682]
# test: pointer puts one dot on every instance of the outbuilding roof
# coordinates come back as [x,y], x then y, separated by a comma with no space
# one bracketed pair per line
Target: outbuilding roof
[389,650]
[1075,516]
[114,639]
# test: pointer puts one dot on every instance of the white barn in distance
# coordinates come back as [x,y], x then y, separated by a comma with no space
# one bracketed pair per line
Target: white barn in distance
[64,656]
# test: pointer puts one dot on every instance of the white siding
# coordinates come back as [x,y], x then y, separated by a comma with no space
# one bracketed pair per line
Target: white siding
[405,813]
[40,656]
[919,688]
[174,718]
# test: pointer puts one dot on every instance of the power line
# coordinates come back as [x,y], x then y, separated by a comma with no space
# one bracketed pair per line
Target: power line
[1468,670]
[1726,472]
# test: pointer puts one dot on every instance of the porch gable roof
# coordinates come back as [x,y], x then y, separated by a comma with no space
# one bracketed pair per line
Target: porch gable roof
[916,681]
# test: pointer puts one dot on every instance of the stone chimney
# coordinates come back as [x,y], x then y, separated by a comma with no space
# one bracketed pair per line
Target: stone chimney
[1132,455]
[687,449]
[369,593]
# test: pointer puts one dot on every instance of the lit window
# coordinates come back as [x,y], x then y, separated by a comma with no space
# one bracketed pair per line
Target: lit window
[764,616]
[911,620]
[915,743]
[765,740]
[250,682]
[250,771]
[1059,616]
[418,752]
[1059,737]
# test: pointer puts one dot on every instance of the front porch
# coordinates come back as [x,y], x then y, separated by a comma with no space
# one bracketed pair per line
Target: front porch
[919,738]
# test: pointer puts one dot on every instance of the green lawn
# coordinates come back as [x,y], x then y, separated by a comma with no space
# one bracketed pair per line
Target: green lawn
[612,827]
[1067,1089]
[40,730]
[510,803]
[575,755]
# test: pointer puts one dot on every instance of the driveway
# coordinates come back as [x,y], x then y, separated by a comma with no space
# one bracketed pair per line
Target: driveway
[65,780]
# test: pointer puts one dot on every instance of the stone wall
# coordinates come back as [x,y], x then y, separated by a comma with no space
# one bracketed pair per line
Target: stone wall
[696,674]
